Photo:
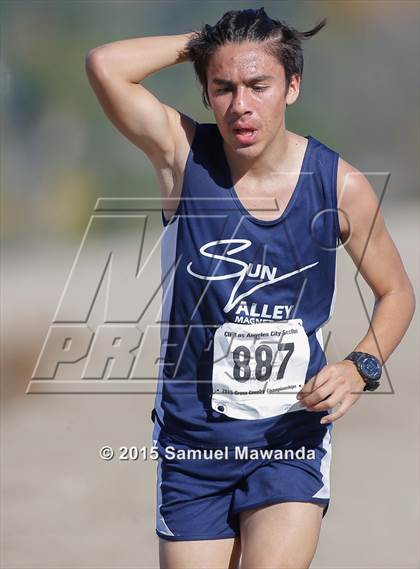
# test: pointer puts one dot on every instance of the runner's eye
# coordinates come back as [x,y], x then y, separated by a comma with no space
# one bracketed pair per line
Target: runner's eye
[259,88]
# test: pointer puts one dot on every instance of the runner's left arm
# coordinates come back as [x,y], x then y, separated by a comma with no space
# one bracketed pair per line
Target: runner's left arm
[375,255]
[369,244]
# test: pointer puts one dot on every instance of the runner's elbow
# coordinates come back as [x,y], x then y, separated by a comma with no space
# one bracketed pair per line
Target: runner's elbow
[94,60]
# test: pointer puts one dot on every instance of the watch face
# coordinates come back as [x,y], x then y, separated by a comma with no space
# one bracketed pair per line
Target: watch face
[371,368]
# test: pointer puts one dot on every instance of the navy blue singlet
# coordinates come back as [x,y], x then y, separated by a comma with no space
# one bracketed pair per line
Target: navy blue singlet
[243,301]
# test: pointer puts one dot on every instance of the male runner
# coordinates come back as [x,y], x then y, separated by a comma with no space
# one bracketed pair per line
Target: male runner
[249,272]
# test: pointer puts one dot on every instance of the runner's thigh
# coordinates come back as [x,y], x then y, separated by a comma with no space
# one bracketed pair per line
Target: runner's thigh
[200,554]
[280,536]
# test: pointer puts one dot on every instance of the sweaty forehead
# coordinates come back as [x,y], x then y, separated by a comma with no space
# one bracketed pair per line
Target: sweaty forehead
[237,60]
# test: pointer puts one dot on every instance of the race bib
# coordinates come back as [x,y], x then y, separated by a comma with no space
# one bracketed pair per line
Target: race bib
[259,368]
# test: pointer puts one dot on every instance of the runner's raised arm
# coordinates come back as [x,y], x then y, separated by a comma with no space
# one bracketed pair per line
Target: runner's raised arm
[115,70]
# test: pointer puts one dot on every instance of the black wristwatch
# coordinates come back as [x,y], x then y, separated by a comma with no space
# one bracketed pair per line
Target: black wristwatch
[369,367]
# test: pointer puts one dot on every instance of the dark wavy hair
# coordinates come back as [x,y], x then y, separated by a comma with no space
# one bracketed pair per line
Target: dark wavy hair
[281,40]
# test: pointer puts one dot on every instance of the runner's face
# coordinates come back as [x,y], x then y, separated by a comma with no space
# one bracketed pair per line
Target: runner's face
[247,90]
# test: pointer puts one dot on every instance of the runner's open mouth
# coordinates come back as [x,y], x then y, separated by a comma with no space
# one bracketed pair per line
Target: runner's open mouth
[244,130]
[245,135]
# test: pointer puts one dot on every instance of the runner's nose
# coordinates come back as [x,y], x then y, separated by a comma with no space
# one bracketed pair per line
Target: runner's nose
[239,103]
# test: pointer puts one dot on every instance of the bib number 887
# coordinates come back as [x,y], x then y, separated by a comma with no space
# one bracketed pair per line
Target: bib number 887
[263,359]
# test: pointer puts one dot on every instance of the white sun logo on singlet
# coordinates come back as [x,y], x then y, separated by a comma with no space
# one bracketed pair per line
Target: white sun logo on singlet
[241,244]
